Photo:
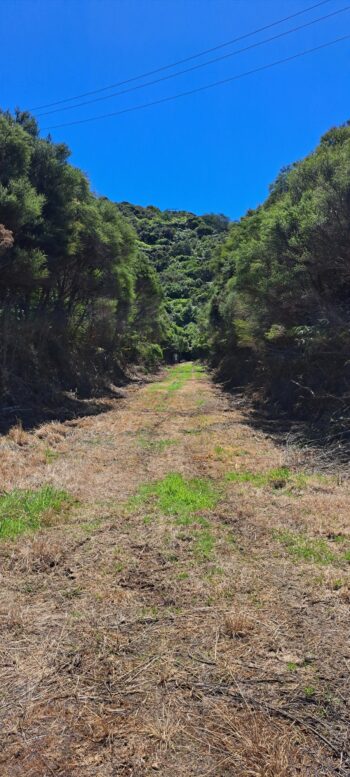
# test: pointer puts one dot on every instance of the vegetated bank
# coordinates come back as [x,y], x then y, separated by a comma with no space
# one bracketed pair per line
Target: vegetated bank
[78,301]
[280,313]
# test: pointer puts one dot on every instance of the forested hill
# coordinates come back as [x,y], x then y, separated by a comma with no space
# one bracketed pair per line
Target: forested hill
[181,247]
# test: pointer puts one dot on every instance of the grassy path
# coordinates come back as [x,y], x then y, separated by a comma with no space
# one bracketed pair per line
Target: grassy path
[178,602]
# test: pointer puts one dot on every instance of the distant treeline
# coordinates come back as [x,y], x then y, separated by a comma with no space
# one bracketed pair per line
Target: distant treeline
[78,300]
[279,317]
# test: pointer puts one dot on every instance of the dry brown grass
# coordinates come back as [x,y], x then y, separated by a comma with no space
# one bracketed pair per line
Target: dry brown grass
[18,435]
[252,744]
[37,554]
[237,624]
[125,652]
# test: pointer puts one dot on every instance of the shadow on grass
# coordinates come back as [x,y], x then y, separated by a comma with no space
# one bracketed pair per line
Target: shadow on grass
[327,438]
[66,407]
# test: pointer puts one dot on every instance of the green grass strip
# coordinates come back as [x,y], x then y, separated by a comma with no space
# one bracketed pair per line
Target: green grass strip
[180,497]
[260,479]
[23,511]
[313,549]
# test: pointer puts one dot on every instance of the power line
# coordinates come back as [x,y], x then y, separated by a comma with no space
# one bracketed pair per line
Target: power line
[182,61]
[196,67]
[202,88]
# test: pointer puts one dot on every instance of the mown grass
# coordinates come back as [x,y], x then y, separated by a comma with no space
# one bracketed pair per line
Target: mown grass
[151,444]
[176,377]
[225,452]
[204,544]
[51,455]
[184,500]
[175,385]
[25,511]
[279,477]
[187,370]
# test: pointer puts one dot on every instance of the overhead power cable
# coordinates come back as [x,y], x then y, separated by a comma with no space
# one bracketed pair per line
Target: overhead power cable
[203,88]
[198,66]
[185,59]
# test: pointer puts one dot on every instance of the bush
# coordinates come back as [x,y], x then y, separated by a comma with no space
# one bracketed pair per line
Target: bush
[280,312]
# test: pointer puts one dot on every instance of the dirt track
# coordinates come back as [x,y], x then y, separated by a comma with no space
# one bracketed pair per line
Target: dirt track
[135,642]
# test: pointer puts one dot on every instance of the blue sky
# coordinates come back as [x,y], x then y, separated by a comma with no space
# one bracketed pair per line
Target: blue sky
[214,151]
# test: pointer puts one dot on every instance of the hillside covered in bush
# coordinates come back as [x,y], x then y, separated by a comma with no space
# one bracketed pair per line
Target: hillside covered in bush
[181,247]
[280,312]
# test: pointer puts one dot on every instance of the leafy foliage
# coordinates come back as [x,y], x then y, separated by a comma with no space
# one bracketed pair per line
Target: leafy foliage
[89,286]
[180,247]
[78,301]
[280,312]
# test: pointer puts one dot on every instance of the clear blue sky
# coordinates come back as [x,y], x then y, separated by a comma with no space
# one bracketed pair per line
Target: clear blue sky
[214,151]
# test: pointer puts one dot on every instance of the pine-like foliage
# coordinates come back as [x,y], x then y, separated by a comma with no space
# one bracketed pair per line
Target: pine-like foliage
[78,301]
[280,312]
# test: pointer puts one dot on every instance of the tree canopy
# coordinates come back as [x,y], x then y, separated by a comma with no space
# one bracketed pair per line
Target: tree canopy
[180,246]
[280,312]
[78,300]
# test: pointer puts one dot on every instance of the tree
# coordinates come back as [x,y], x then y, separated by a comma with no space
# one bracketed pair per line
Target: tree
[73,283]
[280,311]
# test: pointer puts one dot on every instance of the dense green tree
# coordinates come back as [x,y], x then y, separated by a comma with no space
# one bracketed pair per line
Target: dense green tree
[75,290]
[280,312]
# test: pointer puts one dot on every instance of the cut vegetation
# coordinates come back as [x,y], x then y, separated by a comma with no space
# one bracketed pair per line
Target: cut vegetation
[189,616]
